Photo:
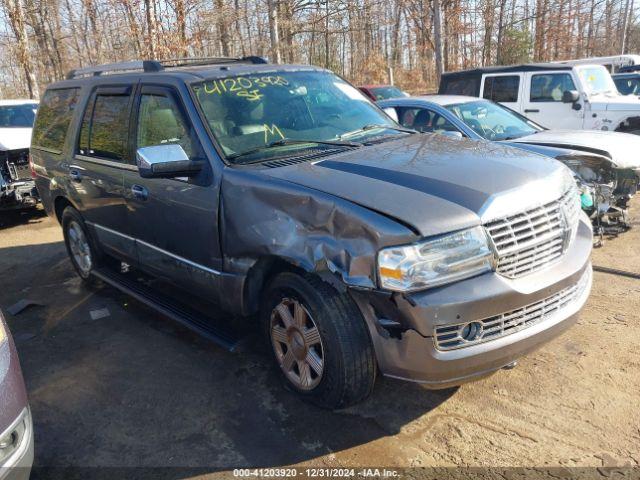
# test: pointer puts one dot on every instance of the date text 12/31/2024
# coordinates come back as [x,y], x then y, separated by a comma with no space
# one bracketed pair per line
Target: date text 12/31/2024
[315,473]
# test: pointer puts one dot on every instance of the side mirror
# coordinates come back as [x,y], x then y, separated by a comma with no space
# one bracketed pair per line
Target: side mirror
[165,161]
[451,134]
[570,96]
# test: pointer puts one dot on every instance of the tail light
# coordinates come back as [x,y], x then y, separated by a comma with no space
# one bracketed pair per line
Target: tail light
[32,168]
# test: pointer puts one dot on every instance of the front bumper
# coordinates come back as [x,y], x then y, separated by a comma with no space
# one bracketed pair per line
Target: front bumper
[402,327]
[18,465]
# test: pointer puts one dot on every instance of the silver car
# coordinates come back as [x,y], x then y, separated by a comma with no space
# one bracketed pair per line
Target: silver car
[16,426]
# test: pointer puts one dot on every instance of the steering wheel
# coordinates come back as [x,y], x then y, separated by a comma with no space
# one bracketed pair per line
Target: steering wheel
[492,133]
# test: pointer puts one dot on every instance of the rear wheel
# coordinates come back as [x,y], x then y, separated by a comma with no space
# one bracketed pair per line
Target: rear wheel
[84,256]
[319,339]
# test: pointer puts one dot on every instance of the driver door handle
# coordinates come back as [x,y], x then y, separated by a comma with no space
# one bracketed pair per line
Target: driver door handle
[531,110]
[139,192]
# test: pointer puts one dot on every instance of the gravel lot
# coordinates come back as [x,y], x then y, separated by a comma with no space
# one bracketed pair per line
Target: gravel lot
[134,389]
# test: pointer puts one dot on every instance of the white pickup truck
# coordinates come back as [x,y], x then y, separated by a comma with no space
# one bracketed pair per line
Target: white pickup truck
[554,95]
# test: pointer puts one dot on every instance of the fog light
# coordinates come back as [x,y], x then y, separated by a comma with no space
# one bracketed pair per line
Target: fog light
[471,331]
[8,442]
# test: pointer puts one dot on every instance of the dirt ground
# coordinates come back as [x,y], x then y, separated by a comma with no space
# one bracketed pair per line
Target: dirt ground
[134,389]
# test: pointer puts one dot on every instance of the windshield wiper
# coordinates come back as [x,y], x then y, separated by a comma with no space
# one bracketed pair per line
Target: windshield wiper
[373,126]
[294,141]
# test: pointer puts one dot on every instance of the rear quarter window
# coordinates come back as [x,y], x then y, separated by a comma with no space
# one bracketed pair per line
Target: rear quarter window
[53,119]
[460,86]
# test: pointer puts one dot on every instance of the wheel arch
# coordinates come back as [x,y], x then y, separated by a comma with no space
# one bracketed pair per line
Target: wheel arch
[260,274]
[59,204]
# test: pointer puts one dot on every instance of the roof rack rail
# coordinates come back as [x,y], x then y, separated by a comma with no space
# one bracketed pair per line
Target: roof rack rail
[200,61]
[159,65]
[134,65]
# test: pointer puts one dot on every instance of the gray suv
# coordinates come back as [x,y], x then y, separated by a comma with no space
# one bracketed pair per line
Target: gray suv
[281,194]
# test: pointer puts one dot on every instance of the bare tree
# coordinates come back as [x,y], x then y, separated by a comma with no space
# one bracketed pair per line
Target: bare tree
[15,10]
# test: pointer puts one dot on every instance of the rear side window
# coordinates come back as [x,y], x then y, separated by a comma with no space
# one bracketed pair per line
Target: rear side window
[550,87]
[462,86]
[502,89]
[54,116]
[105,127]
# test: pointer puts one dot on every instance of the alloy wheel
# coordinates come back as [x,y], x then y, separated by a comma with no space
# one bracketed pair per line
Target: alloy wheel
[297,344]
[79,246]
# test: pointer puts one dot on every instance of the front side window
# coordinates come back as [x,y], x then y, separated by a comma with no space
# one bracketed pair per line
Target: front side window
[493,121]
[549,87]
[53,119]
[18,116]
[501,89]
[260,117]
[105,127]
[161,122]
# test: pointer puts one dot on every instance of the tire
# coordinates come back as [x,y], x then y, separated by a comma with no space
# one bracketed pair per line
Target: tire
[347,367]
[84,259]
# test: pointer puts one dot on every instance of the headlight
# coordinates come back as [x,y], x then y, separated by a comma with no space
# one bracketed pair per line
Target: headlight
[435,262]
[3,334]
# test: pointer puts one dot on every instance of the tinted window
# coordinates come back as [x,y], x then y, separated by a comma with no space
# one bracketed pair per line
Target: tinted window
[502,89]
[54,115]
[628,85]
[550,87]
[464,86]
[161,122]
[105,127]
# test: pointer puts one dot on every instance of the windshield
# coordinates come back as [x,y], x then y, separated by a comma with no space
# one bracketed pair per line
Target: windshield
[628,85]
[493,121]
[18,116]
[382,93]
[596,80]
[265,116]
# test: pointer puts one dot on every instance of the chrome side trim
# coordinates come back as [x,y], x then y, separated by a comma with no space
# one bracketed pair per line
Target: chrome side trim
[179,258]
[157,249]
[95,225]
[106,163]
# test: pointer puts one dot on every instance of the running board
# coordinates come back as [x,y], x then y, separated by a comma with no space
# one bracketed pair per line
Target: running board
[173,309]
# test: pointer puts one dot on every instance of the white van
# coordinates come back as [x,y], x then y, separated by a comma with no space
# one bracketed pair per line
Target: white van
[554,95]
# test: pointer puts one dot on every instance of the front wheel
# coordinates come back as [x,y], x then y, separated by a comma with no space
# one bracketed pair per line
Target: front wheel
[319,340]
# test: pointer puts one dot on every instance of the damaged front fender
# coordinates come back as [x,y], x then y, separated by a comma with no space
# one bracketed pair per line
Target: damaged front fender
[263,217]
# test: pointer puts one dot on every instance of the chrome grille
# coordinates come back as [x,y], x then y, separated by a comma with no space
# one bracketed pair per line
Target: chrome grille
[530,240]
[449,337]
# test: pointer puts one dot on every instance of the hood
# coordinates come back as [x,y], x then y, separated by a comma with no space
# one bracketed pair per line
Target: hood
[430,182]
[615,103]
[621,148]
[15,138]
